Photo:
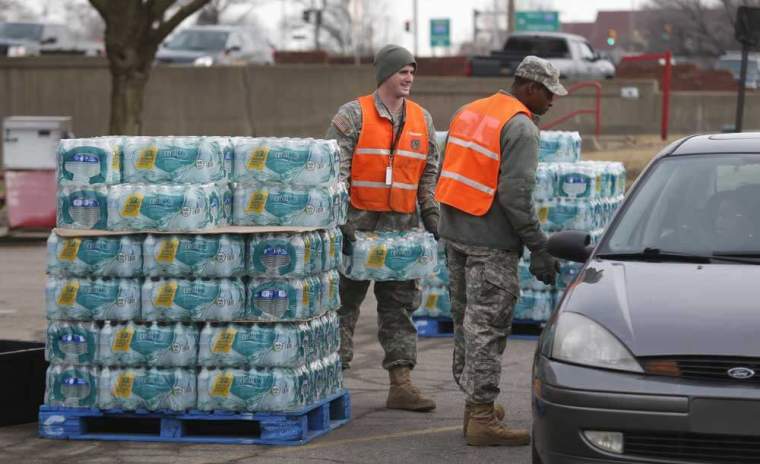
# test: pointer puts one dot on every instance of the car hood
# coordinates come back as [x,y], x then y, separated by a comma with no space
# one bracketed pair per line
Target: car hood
[672,308]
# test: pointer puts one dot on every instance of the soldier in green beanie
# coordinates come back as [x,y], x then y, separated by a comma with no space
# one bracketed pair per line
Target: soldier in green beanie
[389,160]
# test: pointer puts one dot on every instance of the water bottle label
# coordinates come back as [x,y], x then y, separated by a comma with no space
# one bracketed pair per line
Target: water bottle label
[257,159]
[124,382]
[306,292]
[166,295]
[222,385]
[70,249]
[147,158]
[224,340]
[132,205]
[68,294]
[168,251]
[122,340]
[376,257]
[431,302]
[257,202]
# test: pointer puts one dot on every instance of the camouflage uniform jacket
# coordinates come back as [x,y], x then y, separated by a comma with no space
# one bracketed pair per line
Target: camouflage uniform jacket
[345,127]
[512,220]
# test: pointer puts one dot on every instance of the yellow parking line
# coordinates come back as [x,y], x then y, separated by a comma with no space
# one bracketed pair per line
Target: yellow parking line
[386,436]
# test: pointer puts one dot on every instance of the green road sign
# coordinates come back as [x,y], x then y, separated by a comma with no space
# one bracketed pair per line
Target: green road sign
[537,21]
[440,32]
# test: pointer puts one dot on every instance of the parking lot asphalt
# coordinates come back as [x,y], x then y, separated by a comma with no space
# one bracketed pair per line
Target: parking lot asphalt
[374,434]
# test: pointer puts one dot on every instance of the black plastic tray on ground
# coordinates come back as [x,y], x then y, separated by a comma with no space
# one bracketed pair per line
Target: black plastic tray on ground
[22,390]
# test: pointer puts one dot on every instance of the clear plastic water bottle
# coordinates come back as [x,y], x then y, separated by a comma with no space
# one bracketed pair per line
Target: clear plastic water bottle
[89,161]
[71,386]
[281,299]
[71,343]
[197,255]
[82,207]
[525,304]
[92,299]
[172,160]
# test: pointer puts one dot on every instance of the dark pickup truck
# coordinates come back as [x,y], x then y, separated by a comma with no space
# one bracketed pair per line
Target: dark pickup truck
[571,54]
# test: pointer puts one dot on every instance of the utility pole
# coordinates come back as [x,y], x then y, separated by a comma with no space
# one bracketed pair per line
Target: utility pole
[511,16]
[356,22]
[415,17]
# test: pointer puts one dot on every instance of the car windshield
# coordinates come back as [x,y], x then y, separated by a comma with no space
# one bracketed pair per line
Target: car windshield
[698,204]
[21,31]
[546,47]
[198,41]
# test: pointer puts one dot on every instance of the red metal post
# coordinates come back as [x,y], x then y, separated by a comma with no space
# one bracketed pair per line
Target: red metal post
[597,111]
[666,94]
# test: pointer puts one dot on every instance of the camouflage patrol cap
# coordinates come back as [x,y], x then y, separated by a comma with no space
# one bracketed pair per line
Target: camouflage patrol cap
[539,70]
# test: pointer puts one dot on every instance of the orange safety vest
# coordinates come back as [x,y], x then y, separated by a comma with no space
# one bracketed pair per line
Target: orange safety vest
[470,171]
[385,181]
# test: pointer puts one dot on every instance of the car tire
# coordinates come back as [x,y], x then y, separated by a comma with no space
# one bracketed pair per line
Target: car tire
[535,458]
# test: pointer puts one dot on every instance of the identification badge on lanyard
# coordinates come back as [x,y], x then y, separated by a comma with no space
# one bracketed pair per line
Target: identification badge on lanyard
[388,175]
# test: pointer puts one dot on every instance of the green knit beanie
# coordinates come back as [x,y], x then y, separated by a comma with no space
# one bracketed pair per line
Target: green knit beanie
[389,60]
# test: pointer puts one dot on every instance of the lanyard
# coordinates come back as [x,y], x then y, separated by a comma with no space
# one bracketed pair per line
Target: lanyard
[394,143]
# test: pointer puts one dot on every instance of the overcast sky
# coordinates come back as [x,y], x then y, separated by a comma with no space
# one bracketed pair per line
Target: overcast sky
[396,12]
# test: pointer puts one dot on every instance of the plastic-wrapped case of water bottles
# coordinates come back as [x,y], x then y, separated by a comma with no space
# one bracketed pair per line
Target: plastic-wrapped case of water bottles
[187,184]
[133,318]
[436,301]
[386,256]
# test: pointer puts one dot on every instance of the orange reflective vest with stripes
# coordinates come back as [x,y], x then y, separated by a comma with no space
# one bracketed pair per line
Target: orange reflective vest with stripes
[385,180]
[470,171]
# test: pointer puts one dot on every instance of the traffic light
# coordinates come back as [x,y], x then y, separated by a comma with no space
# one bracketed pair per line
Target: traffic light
[408,26]
[611,37]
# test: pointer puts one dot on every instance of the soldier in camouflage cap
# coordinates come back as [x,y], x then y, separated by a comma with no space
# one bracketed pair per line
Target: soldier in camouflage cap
[485,190]
[539,70]
[386,126]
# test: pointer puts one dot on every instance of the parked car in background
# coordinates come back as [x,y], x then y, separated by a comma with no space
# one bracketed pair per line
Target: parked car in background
[34,38]
[652,355]
[213,45]
[732,61]
[570,53]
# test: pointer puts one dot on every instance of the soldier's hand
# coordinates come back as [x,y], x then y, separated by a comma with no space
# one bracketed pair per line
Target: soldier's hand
[430,221]
[544,266]
[349,237]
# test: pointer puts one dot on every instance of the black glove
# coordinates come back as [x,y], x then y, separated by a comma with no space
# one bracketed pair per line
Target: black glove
[544,266]
[430,221]
[349,237]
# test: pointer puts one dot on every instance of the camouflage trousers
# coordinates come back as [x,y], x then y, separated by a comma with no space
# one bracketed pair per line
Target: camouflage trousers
[484,288]
[396,301]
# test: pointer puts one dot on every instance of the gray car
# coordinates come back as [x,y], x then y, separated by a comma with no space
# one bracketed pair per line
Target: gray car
[215,45]
[653,355]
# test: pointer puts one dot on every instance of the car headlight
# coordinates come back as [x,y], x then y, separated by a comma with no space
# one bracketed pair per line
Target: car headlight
[579,340]
[17,50]
[203,61]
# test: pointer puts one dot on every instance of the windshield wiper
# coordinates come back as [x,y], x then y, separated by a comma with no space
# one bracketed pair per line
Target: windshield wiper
[656,254]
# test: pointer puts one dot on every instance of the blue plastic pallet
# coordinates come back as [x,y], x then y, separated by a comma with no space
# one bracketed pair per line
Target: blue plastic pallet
[270,428]
[431,327]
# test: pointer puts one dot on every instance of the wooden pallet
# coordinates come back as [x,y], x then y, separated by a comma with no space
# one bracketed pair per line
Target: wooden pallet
[266,428]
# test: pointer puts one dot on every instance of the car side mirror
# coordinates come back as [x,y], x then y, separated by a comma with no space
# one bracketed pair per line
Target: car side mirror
[49,40]
[572,245]
[232,49]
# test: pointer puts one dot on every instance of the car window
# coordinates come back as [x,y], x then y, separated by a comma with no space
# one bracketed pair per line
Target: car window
[702,204]
[21,31]
[234,41]
[545,47]
[586,52]
[198,40]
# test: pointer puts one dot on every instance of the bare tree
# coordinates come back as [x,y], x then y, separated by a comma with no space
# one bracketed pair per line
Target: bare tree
[693,27]
[134,30]
[14,10]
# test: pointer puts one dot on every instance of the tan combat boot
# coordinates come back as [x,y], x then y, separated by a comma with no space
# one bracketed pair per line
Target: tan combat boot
[485,430]
[497,409]
[404,395]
